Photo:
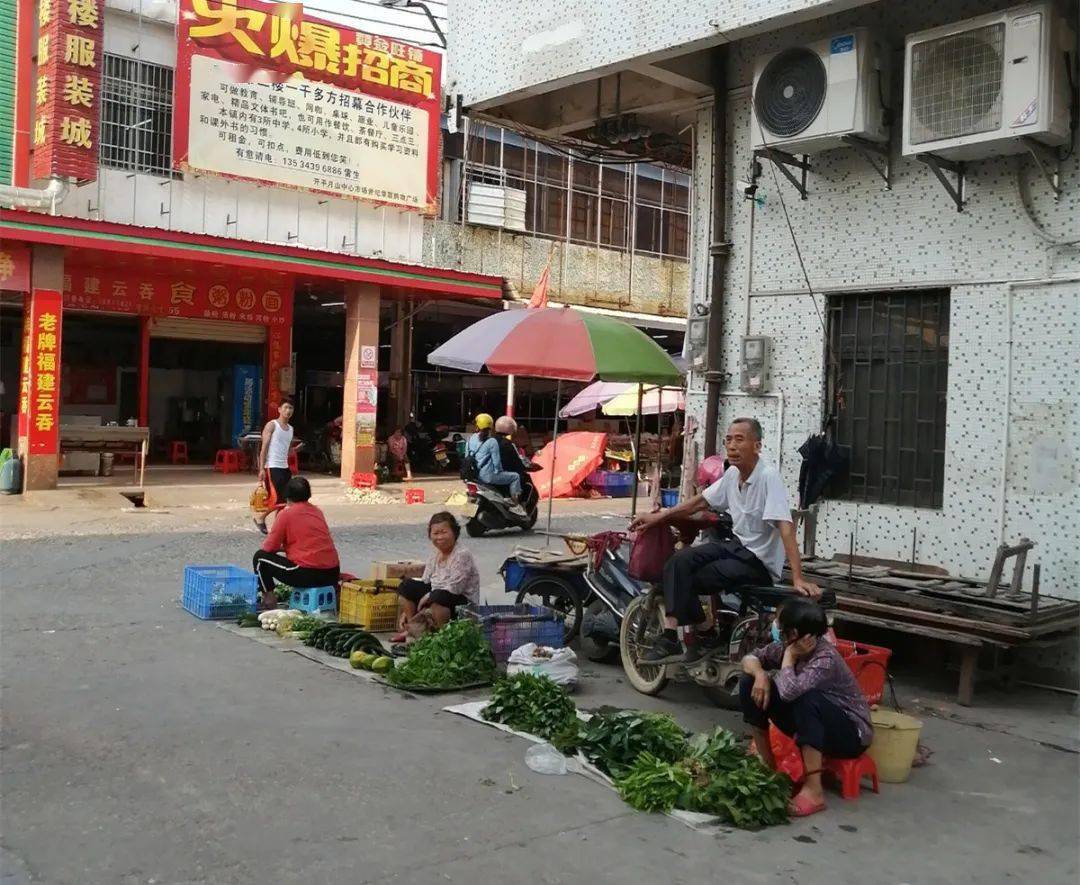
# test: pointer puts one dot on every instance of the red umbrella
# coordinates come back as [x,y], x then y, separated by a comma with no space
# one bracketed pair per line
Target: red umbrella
[579,454]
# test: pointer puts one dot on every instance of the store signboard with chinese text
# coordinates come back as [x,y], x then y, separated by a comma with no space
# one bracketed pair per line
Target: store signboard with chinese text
[121,290]
[67,88]
[14,266]
[39,388]
[268,93]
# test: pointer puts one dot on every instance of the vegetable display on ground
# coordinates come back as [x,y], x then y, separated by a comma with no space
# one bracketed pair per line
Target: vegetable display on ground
[531,703]
[612,741]
[456,655]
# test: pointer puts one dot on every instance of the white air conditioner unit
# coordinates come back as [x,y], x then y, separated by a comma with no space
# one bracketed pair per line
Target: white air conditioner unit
[808,98]
[976,88]
[493,205]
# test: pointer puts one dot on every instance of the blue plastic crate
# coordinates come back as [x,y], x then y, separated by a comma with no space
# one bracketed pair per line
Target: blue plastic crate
[514,574]
[613,483]
[669,497]
[507,627]
[313,599]
[219,591]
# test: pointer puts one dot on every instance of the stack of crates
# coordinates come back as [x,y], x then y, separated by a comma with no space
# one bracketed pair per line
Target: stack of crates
[371,604]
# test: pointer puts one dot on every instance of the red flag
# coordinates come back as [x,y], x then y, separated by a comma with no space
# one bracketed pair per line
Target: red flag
[540,292]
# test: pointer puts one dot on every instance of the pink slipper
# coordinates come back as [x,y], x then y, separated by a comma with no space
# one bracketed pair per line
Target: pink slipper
[800,806]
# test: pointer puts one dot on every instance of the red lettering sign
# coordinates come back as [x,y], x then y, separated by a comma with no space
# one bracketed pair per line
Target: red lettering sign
[14,267]
[39,391]
[70,55]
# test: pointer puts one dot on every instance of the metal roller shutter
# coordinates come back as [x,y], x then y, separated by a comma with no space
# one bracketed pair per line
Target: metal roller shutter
[207,330]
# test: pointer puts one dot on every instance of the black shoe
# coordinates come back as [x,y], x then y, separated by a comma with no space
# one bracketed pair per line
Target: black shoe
[664,651]
[705,645]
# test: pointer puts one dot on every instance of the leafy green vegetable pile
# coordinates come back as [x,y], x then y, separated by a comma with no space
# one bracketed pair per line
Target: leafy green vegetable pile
[652,784]
[456,655]
[612,741]
[532,703]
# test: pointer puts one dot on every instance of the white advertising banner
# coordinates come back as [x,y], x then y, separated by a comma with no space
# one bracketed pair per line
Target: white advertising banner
[305,134]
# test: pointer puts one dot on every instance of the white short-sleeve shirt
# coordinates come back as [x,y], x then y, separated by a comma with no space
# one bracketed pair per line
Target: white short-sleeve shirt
[756,507]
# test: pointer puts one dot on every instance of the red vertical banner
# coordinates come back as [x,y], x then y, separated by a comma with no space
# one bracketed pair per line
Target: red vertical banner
[278,344]
[39,391]
[67,88]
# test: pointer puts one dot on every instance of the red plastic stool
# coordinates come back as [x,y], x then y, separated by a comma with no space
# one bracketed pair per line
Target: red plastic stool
[293,461]
[227,461]
[178,452]
[850,772]
[414,496]
[364,480]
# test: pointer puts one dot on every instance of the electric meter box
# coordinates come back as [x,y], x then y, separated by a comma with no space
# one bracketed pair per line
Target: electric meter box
[754,364]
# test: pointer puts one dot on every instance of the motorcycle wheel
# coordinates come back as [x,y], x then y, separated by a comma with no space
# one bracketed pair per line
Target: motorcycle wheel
[648,679]
[533,516]
[558,595]
[475,529]
[599,651]
[721,697]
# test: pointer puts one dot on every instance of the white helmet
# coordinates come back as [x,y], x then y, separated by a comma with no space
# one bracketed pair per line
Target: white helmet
[505,425]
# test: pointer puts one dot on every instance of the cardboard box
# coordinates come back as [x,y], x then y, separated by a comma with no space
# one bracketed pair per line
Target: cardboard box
[403,568]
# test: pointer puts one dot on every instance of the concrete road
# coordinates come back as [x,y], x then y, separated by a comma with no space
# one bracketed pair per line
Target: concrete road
[143,746]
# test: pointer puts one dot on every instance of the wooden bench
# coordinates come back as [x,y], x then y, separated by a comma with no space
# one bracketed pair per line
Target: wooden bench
[970,645]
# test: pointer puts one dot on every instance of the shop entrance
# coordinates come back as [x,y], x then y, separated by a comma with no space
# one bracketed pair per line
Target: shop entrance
[197,389]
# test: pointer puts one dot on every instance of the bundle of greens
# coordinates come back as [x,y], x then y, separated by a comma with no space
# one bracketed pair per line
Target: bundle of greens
[614,741]
[747,795]
[533,704]
[455,656]
[652,784]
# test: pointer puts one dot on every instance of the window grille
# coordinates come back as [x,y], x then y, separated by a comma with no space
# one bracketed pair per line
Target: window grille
[136,115]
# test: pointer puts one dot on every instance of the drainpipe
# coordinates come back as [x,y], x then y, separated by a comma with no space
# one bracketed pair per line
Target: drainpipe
[34,198]
[719,250]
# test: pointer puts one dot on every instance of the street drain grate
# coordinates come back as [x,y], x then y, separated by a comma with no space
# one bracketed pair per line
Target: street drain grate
[137,499]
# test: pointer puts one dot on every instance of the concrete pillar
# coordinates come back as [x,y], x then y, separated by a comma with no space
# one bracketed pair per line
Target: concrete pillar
[144,371]
[361,379]
[37,442]
[401,365]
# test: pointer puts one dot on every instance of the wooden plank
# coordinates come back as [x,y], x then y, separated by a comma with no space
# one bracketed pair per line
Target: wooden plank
[846,602]
[918,630]
[966,687]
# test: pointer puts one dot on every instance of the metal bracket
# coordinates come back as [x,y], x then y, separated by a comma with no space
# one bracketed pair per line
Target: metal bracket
[867,150]
[785,162]
[1049,162]
[937,164]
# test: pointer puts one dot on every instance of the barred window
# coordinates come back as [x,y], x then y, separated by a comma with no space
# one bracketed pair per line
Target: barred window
[888,359]
[136,115]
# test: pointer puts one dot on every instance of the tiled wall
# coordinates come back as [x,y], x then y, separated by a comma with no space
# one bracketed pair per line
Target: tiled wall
[856,236]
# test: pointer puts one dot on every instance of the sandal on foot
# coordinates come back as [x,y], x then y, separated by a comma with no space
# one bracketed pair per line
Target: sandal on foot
[261,526]
[399,637]
[801,806]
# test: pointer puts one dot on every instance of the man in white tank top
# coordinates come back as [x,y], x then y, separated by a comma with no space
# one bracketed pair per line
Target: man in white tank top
[277,441]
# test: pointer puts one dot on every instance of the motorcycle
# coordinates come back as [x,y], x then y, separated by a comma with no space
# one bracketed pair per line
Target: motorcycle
[489,508]
[628,615]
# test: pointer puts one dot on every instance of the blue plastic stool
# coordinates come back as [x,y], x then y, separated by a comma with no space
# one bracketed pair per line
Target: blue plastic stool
[314,599]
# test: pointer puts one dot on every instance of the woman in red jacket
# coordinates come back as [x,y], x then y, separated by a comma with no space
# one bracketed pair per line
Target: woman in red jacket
[298,551]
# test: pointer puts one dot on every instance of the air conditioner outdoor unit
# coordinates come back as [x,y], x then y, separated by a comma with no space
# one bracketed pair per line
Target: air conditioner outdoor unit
[494,205]
[808,98]
[976,88]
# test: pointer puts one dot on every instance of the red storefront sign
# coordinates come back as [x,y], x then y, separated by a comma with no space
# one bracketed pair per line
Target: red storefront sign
[125,291]
[67,88]
[14,267]
[268,93]
[39,389]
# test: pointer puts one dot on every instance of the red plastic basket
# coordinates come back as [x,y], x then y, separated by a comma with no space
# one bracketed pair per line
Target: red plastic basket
[414,496]
[869,663]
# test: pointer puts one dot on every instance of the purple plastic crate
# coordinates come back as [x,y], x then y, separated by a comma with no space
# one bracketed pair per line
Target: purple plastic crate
[507,627]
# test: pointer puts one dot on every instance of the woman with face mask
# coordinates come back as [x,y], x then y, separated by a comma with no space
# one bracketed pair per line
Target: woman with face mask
[801,684]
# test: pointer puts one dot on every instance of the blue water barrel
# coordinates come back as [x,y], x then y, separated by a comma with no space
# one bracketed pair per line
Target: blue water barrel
[11,477]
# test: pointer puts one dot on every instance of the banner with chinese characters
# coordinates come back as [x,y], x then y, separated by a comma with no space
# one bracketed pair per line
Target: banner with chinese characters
[14,266]
[268,93]
[39,387]
[122,290]
[67,89]
[367,402]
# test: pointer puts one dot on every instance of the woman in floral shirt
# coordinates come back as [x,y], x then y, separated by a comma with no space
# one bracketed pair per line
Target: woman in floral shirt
[811,694]
[450,579]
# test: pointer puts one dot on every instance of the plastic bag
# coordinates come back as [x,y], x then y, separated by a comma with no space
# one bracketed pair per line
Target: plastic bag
[557,664]
[545,759]
[649,550]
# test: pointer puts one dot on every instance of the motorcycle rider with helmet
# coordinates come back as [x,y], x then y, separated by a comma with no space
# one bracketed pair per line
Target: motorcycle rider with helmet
[483,448]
